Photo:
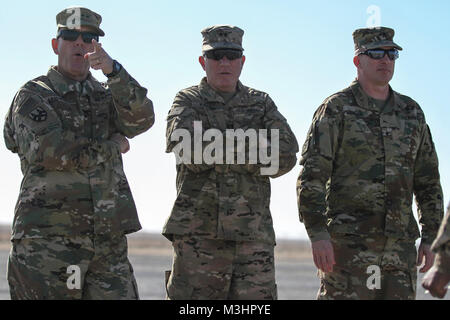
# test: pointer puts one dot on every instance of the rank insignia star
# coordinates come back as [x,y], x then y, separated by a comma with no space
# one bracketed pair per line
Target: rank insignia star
[38,114]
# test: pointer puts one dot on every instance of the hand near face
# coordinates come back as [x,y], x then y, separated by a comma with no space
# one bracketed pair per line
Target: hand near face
[99,59]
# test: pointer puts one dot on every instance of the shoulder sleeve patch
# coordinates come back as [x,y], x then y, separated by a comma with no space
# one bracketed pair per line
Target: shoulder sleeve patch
[34,113]
[38,114]
[30,108]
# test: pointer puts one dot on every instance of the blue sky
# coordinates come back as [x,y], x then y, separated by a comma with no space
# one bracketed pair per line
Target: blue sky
[299,52]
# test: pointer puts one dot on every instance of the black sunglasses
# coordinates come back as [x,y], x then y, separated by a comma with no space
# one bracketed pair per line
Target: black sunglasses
[72,35]
[220,53]
[380,53]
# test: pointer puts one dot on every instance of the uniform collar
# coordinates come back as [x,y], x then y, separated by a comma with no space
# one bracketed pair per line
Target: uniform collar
[212,96]
[63,85]
[362,99]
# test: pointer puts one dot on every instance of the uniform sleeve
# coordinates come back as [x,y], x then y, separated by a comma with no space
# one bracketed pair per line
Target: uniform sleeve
[180,134]
[317,160]
[441,245]
[8,133]
[133,111]
[35,132]
[287,145]
[427,187]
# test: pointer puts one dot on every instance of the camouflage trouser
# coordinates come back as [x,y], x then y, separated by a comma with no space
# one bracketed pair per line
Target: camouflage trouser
[218,270]
[376,268]
[48,269]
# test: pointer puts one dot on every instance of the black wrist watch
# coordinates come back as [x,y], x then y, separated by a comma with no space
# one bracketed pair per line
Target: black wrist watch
[116,69]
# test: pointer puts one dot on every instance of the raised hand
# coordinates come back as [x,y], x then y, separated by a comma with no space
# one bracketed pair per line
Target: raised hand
[99,59]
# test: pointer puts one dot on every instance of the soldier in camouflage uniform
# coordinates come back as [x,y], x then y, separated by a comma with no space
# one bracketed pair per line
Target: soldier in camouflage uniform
[75,206]
[438,277]
[221,226]
[368,150]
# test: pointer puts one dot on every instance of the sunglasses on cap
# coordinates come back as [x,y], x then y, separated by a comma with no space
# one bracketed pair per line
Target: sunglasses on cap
[220,53]
[72,35]
[378,54]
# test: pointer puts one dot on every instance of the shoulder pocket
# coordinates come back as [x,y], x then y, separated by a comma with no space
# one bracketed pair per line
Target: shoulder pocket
[175,111]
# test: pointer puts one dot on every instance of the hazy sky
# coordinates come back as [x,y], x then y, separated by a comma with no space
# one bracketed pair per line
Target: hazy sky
[299,52]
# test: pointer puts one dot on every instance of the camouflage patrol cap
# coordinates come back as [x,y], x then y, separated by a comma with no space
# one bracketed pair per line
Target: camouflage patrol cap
[372,38]
[222,37]
[77,17]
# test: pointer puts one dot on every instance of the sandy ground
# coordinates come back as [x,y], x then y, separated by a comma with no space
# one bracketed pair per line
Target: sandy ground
[151,255]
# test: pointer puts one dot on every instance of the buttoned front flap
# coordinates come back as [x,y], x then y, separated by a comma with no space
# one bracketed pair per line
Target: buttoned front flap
[244,202]
[102,112]
[401,136]
[195,208]
[246,120]
[361,141]
[401,132]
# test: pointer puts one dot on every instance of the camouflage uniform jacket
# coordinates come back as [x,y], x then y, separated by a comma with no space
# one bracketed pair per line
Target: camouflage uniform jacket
[74,183]
[226,201]
[361,167]
[441,245]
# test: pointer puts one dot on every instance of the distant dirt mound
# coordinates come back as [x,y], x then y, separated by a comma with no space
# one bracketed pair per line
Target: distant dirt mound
[153,243]
[5,232]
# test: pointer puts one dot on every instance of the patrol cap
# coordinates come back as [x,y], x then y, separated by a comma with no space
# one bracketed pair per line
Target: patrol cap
[372,38]
[77,17]
[222,37]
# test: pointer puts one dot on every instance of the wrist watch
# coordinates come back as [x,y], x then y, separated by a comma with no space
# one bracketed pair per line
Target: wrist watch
[116,69]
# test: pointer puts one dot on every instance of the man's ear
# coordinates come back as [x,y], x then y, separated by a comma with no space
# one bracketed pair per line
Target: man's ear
[55,45]
[201,59]
[356,61]
[243,60]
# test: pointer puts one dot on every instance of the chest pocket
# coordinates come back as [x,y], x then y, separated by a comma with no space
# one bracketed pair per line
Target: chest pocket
[89,117]
[71,117]
[246,117]
[213,115]
[401,136]
[362,132]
